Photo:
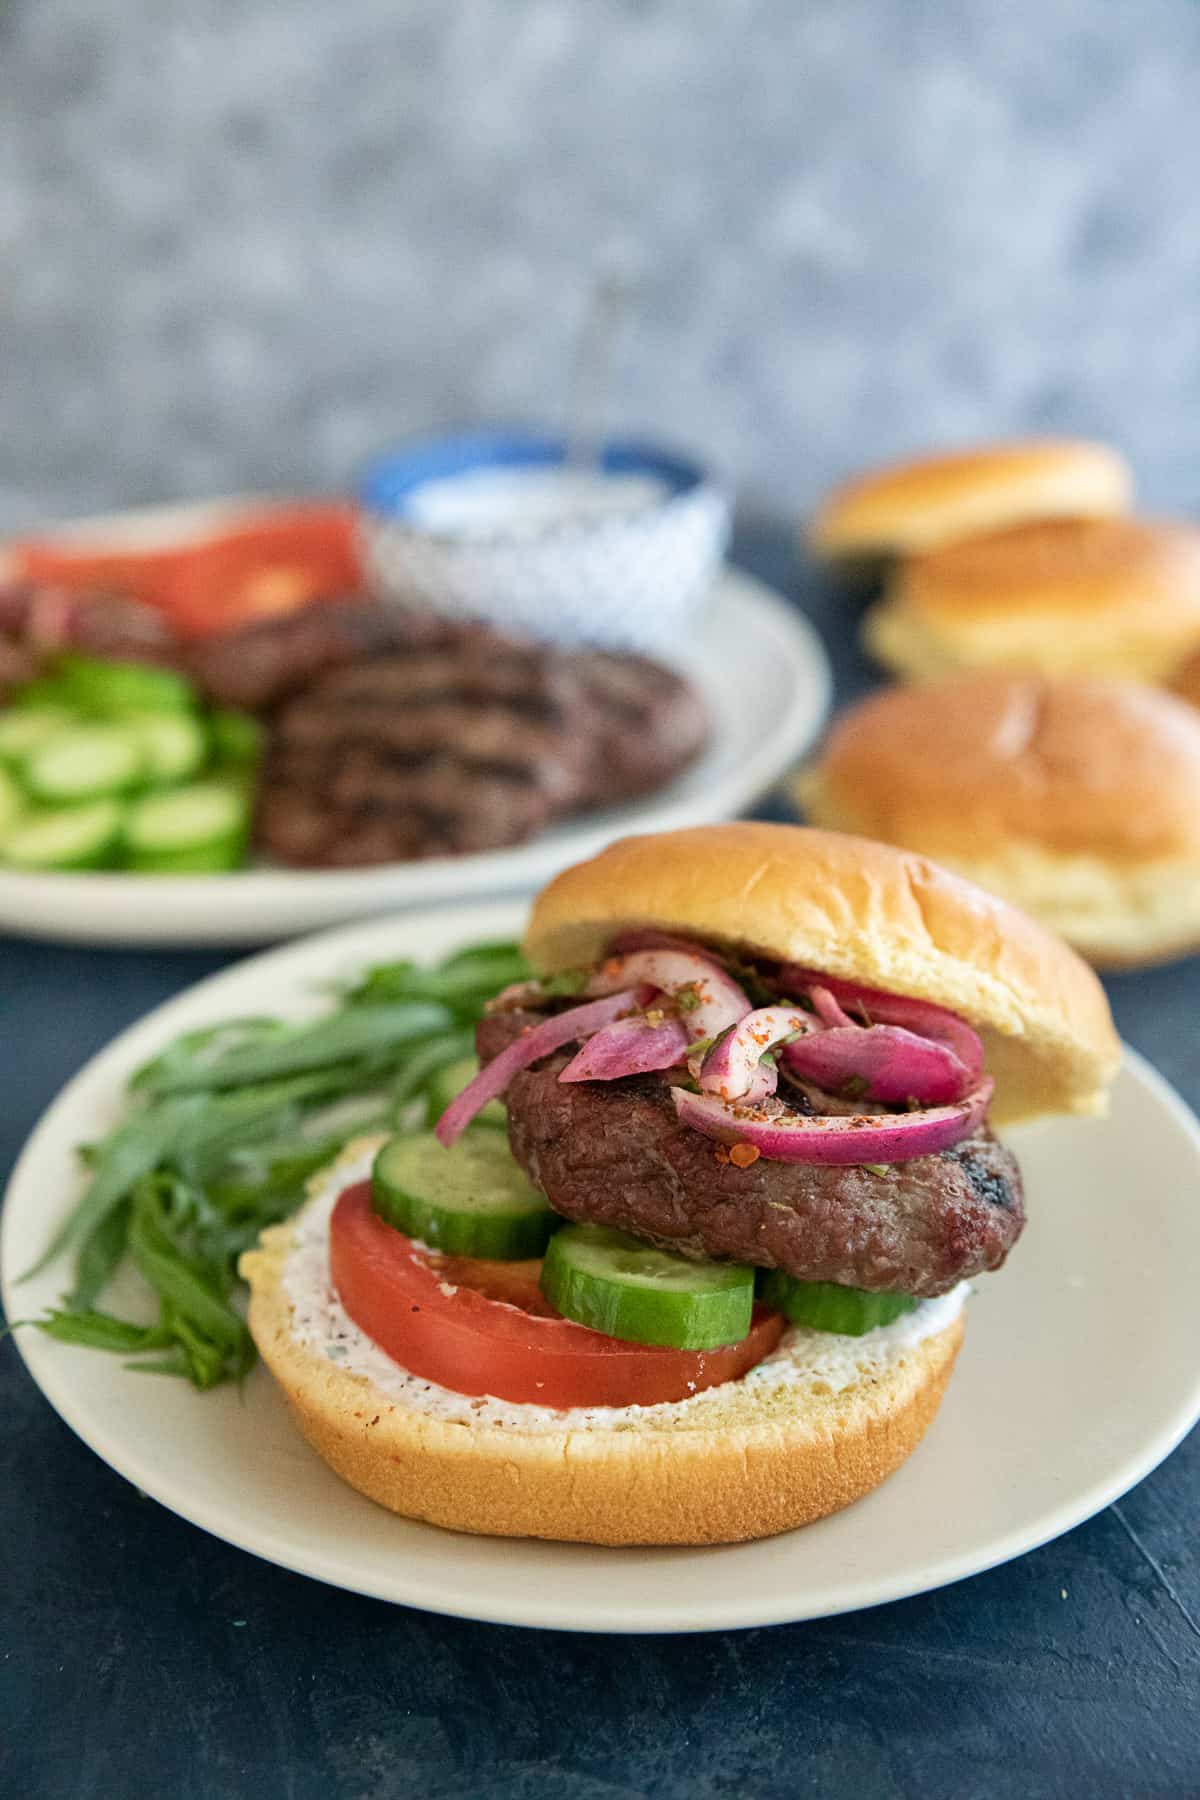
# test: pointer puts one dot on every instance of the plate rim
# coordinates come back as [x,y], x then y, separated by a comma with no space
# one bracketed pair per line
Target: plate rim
[369,891]
[543,1611]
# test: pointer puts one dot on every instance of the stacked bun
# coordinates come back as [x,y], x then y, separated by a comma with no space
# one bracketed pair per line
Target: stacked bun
[915,506]
[1077,800]
[1061,596]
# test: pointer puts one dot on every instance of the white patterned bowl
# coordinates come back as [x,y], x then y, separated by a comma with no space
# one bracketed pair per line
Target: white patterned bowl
[630,579]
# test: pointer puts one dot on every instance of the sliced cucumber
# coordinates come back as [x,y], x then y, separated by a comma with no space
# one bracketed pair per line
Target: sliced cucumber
[236,737]
[173,744]
[116,689]
[615,1284]
[45,691]
[76,837]
[471,1200]
[87,762]
[26,728]
[190,829]
[448,1083]
[825,1306]
[12,804]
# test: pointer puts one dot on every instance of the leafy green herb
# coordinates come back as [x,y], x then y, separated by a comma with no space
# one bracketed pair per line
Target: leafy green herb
[876,1168]
[687,999]
[102,1331]
[98,1258]
[344,1037]
[226,1126]
[853,1088]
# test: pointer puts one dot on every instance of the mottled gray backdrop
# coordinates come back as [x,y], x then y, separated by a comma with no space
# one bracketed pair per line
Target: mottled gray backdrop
[248,242]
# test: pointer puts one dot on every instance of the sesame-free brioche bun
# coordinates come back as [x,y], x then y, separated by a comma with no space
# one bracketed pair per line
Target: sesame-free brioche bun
[868,912]
[1060,597]
[746,1460]
[1077,800]
[932,500]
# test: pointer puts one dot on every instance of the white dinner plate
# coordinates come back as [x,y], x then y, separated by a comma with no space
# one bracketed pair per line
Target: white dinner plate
[763,670]
[1080,1372]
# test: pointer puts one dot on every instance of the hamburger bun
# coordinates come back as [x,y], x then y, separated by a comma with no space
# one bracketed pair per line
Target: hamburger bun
[1061,597]
[1185,681]
[919,505]
[1078,801]
[796,1439]
[865,911]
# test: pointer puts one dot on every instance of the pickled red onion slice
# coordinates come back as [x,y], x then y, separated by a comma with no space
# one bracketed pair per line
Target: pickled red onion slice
[708,998]
[733,1069]
[564,1028]
[633,1046]
[859,1138]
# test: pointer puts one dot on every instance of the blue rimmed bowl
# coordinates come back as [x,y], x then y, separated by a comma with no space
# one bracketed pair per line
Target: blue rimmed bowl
[631,573]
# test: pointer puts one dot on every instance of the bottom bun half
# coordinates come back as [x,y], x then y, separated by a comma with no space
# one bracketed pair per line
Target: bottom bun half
[747,1460]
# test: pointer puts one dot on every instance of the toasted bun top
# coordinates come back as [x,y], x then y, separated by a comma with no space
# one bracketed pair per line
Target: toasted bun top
[1140,571]
[915,505]
[962,767]
[867,912]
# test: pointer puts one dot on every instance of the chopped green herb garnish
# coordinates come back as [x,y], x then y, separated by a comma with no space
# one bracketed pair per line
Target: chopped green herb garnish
[876,1168]
[854,1087]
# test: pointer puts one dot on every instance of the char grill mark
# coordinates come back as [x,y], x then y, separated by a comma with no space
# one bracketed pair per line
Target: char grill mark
[423,755]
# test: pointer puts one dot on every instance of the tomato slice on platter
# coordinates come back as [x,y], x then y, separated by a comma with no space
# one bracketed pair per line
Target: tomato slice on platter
[486,1328]
[264,563]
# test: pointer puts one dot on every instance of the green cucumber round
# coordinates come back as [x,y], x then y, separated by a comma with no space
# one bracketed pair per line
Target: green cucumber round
[12,804]
[195,829]
[174,745]
[613,1283]
[87,762]
[236,737]
[470,1200]
[825,1306]
[74,837]
[115,689]
[25,728]
[448,1083]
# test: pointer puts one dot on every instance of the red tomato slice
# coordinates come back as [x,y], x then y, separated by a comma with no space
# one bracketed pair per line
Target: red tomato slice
[265,563]
[413,1304]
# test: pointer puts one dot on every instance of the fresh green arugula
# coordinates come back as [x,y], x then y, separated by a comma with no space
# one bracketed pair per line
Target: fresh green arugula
[225,1126]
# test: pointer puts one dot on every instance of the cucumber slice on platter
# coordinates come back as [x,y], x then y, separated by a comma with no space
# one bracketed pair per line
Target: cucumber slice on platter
[174,745]
[74,837]
[25,728]
[199,828]
[470,1200]
[87,762]
[12,803]
[615,1284]
[237,737]
[824,1306]
[448,1083]
[118,688]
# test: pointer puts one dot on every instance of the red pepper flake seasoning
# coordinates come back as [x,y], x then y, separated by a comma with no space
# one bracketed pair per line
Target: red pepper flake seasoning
[721,1154]
[742,1155]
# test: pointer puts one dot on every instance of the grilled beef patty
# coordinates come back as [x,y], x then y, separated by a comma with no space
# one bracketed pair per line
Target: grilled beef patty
[467,742]
[614,1153]
[259,664]
[431,752]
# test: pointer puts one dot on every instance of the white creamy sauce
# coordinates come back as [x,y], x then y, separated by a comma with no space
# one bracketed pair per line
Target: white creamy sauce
[803,1358]
[526,501]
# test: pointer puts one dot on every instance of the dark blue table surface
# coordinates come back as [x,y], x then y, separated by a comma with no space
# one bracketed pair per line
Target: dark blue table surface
[139,1657]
